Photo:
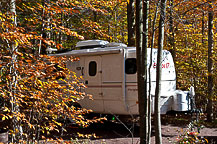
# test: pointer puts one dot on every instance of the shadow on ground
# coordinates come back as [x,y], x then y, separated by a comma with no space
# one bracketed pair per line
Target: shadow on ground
[110,130]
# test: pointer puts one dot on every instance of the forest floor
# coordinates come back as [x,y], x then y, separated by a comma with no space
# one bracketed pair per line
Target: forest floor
[119,133]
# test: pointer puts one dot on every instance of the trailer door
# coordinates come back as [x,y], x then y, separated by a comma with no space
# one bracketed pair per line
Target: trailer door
[92,79]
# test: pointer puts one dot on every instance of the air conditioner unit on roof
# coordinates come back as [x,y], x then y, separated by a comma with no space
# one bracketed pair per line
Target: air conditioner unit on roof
[91,44]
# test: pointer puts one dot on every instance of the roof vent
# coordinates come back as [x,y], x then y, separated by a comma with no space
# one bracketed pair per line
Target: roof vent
[91,44]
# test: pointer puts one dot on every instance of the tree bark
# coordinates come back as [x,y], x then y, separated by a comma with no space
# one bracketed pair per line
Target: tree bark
[141,77]
[131,23]
[203,27]
[41,49]
[13,83]
[171,30]
[147,126]
[210,64]
[45,24]
[149,73]
[158,135]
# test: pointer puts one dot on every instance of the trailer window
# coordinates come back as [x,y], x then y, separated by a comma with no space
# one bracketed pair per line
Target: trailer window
[130,66]
[92,68]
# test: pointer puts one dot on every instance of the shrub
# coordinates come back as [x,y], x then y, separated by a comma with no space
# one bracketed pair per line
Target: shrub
[190,136]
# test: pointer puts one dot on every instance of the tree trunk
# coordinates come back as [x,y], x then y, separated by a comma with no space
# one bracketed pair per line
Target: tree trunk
[48,33]
[46,23]
[147,127]
[158,136]
[171,30]
[94,20]
[13,83]
[41,49]
[172,42]
[210,64]
[149,74]
[141,77]
[131,23]
[203,27]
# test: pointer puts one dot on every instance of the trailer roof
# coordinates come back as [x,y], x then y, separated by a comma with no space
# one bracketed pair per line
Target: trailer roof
[98,51]
[94,51]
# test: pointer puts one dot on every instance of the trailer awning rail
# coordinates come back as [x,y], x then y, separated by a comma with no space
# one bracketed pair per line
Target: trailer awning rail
[85,52]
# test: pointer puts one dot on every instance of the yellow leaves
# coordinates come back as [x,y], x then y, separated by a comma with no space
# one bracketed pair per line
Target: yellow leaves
[59,124]
[6,109]
[86,135]
[30,125]
[75,11]
[120,1]
[43,137]
[7,57]
[49,42]
[38,94]
[59,46]
[77,2]
[206,140]
[16,130]
[69,32]
[48,29]
[3,118]
[40,82]
[18,53]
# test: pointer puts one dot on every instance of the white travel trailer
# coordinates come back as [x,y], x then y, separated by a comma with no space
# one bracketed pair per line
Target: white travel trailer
[110,74]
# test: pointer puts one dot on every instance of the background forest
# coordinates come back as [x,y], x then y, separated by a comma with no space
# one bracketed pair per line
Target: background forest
[29,27]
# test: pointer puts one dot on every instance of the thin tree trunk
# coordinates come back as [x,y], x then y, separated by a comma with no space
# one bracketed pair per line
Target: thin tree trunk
[131,23]
[94,20]
[60,34]
[171,30]
[172,35]
[48,34]
[158,135]
[14,105]
[144,71]
[203,27]
[40,48]
[210,65]
[149,74]
[140,69]
[153,25]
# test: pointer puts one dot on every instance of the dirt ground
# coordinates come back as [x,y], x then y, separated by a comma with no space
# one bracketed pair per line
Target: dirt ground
[170,134]
[119,133]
